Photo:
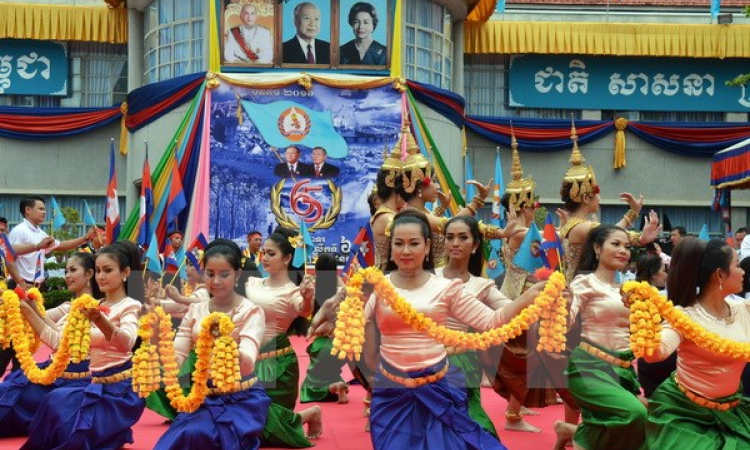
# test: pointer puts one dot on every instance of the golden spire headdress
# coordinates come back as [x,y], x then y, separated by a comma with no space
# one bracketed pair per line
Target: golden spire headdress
[580,176]
[416,167]
[520,190]
[393,164]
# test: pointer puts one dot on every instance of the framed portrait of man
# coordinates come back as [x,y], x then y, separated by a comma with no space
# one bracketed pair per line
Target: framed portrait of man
[249,33]
[364,37]
[306,33]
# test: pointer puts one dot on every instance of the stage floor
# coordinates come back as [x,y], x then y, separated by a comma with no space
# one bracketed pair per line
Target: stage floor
[343,425]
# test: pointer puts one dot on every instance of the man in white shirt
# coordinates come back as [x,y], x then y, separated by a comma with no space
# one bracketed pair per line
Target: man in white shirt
[31,243]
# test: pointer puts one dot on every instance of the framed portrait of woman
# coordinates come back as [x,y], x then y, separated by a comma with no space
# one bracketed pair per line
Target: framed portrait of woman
[249,33]
[306,33]
[364,36]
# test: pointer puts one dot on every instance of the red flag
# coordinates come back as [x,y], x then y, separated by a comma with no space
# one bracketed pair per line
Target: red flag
[551,245]
[112,215]
[176,201]
[7,250]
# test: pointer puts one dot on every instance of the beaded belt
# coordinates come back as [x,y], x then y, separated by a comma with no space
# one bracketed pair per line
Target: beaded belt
[703,401]
[125,374]
[75,375]
[238,387]
[416,382]
[455,350]
[625,364]
[275,353]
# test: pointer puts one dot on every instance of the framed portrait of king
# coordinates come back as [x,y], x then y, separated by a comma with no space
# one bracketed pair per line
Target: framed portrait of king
[249,33]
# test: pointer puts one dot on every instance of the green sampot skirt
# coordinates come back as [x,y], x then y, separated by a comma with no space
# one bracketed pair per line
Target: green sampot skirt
[323,371]
[468,362]
[612,417]
[675,422]
[279,375]
[158,402]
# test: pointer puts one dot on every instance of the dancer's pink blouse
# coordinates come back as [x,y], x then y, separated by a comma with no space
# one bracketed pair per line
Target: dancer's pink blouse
[605,321]
[483,289]
[281,305]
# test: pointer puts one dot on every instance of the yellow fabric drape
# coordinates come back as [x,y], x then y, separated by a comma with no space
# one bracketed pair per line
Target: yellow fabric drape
[623,39]
[397,45]
[620,124]
[124,132]
[63,23]
[279,80]
[482,11]
[214,59]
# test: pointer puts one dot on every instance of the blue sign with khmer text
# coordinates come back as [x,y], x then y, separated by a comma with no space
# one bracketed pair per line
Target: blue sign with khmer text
[627,83]
[33,67]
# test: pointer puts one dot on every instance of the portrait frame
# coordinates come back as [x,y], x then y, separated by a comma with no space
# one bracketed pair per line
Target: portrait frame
[239,46]
[381,36]
[291,53]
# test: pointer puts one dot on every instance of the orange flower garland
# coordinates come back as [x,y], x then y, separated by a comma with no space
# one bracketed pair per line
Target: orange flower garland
[73,346]
[349,331]
[217,356]
[681,322]
[645,320]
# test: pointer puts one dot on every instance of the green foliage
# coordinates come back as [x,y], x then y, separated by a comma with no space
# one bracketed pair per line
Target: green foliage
[56,297]
[540,216]
[68,231]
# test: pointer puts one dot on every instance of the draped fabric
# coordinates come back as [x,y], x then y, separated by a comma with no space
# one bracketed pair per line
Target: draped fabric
[51,123]
[449,104]
[482,11]
[538,135]
[731,167]
[55,22]
[690,139]
[148,103]
[144,105]
[621,39]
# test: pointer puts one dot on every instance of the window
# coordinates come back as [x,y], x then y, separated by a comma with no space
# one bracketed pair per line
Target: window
[429,48]
[173,39]
[103,73]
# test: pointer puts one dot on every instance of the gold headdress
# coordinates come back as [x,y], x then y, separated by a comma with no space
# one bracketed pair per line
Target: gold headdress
[416,167]
[581,177]
[520,190]
[392,165]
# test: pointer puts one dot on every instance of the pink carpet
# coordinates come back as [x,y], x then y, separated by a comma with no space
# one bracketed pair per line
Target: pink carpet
[343,425]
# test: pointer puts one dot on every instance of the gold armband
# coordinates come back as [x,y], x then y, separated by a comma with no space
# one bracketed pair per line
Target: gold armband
[439,211]
[630,217]
[491,231]
[477,202]
[635,239]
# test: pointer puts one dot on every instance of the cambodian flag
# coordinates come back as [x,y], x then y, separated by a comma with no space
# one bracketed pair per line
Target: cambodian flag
[146,204]
[362,253]
[551,245]
[8,253]
[176,201]
[112,215]
[200,242]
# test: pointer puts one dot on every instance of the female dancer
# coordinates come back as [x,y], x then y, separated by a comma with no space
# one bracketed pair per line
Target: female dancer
[225,420]
[463,245]
[600,371]
[651,269]
[389,178]
[701,403]
[176,305]
[283,302]
[19,397]
[400,414]
[100,414]
[511,375]
[323,382]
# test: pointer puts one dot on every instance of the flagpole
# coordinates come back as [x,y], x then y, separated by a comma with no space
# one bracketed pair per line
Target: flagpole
[182,264]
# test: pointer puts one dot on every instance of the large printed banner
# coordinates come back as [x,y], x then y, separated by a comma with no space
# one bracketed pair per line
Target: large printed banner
[296,155]
[33,67]
[626,83]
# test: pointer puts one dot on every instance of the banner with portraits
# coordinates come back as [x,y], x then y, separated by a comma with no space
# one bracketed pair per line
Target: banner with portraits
[285,155]
[320,34]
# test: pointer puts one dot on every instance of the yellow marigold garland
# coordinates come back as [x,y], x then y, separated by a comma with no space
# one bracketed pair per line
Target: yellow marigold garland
[73,346]
[681,322]
[349,331]
[645,320]
[217,356]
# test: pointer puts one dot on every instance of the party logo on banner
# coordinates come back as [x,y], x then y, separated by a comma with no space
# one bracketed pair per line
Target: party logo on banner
[294,124]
